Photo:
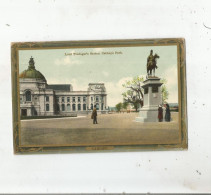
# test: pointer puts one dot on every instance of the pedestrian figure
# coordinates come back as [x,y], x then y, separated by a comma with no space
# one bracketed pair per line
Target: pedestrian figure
[94,115]
[160,113]
[167,114]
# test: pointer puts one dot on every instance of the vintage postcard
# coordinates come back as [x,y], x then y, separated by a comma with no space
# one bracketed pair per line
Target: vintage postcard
[115,95]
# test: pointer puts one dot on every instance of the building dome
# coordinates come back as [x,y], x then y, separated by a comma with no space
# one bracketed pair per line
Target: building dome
[31,72]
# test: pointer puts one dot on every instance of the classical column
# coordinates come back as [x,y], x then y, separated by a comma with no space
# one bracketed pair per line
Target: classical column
[99,101]
[105,101]
[76,103]
[87,102]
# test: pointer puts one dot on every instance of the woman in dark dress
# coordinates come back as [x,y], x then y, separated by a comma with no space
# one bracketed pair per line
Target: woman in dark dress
[168,114]
[160,113]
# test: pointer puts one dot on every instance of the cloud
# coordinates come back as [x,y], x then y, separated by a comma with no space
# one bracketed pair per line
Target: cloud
[115,90]
[66,61]
[171,75]
[77,86]
[172,83]
[106,74]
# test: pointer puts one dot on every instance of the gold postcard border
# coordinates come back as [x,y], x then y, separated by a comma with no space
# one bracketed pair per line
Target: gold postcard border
[180,42]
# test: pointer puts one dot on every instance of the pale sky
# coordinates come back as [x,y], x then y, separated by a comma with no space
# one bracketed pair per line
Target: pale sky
[111,69]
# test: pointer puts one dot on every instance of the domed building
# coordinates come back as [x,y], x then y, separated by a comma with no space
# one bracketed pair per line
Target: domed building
[37,98]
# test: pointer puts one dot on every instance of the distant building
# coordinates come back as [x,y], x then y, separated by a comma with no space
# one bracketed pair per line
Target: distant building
[37,98]
[174,107]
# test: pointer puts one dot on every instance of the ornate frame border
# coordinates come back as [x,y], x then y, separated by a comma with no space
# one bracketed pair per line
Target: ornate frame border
[180,42]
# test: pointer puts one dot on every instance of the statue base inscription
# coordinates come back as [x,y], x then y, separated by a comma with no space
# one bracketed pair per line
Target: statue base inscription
[152,99]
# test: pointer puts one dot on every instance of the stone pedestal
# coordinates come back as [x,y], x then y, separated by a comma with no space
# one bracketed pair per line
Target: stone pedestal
[152,98]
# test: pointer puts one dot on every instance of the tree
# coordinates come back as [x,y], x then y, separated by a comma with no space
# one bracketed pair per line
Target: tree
[165,93]
[134,93]
[119,107]
[125,105]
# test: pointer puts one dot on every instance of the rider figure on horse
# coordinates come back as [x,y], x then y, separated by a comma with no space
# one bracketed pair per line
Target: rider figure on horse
[151,63]
[150,59]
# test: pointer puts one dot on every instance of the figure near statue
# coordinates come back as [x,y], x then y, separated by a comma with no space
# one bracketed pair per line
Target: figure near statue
[152,63]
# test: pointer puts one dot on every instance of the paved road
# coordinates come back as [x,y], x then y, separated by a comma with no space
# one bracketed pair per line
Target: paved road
[113,129]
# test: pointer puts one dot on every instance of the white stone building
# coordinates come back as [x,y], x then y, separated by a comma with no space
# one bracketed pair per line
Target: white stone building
[37,98]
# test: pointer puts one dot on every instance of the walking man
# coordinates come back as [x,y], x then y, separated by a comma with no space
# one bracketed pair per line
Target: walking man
[94,115]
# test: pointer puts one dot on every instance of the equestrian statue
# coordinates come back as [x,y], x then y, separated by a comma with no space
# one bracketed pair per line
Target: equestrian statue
[152,63]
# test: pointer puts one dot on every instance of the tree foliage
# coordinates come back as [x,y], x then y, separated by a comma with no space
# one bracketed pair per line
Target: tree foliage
[125,105]
[134,92]
[119,106]
[165,93]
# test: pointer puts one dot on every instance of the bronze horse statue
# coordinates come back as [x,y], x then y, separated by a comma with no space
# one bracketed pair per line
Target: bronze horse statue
[151,65]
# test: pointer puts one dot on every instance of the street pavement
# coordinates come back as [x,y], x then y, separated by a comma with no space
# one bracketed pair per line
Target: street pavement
[112,129]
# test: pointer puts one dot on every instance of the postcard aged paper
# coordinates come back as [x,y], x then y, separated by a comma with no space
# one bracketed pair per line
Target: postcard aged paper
[115,95]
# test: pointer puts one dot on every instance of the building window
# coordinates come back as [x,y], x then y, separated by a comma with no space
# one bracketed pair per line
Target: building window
[47,107]
[155,89]
[97,106]
[68,99]
[79,106]
[28,96]
[84,99]
[97,98]
[92,99]
[57,108]
[23,112]
[146,90]
[84,106]
[62,99]
[47,98]
[102,106]
[102,99]
[63,107]
[73,99]
[73,107]
[35,112]
[68,107]
[79,99]
[57,99]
